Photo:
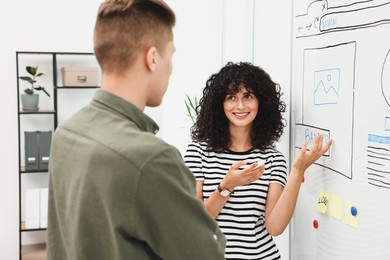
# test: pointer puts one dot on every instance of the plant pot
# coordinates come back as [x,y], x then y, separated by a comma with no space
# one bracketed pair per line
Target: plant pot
[30,102]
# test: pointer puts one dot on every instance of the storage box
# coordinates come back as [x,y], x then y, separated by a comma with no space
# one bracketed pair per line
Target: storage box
[79,76]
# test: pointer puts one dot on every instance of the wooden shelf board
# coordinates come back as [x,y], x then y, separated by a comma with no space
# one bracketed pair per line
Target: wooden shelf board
[34,252]
[76,87]
[40,111]
[23,170]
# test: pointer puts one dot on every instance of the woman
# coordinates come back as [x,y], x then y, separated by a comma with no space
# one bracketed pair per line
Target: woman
[239,120]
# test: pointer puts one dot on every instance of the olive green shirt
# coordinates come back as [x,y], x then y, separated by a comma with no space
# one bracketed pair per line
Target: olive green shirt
[116,191]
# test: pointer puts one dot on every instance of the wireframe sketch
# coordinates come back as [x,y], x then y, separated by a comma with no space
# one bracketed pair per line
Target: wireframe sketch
[328,100]
[322,17]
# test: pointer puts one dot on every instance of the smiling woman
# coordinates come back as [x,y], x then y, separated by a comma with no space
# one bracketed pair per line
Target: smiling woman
[240,118]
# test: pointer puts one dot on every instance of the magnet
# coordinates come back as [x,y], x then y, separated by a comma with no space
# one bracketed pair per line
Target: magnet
[353,211]
[315,224]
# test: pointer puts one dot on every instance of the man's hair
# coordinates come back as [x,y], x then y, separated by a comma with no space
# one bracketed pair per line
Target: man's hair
[126,27]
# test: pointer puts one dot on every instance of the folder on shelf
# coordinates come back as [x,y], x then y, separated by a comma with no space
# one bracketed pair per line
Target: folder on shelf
[44,149]
[31,150]
[37,150]
[32,206]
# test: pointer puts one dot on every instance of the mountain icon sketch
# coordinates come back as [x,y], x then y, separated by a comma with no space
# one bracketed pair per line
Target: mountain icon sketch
[326,89]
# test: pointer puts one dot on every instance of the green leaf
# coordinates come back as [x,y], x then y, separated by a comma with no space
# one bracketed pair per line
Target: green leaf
[191,106]
[188,109]
[32,70]
[29,91]
[40,88]
[28,79]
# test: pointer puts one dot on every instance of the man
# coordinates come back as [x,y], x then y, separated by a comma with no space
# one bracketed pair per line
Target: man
[115,190]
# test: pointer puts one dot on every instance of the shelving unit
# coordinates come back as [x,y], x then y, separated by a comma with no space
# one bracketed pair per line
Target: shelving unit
[61,104]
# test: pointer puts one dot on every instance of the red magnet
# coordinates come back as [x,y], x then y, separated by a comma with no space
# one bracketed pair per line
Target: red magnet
[315,224]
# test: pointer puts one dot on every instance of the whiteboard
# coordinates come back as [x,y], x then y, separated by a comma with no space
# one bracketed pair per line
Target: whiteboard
[341,89]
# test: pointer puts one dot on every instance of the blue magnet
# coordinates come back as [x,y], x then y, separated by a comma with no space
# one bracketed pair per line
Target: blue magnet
[353,211]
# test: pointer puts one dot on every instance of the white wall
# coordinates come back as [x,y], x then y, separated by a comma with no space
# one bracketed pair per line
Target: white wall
[198,40]
[206,36]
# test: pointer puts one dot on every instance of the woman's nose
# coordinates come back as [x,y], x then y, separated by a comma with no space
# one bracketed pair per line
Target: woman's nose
[240,103]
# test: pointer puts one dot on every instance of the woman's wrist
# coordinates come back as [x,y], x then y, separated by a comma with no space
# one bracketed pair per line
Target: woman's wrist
[297,173]
[224,185]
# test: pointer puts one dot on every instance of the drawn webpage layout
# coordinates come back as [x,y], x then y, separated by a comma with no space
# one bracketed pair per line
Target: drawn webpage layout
[341,90]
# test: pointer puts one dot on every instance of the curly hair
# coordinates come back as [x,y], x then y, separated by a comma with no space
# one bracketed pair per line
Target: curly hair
[212,125]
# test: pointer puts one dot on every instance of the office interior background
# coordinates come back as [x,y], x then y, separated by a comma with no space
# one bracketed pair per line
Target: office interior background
[208,34]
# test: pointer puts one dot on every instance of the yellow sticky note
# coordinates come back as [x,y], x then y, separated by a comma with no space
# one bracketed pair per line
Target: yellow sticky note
[323,201]
[351,213]
[336,206]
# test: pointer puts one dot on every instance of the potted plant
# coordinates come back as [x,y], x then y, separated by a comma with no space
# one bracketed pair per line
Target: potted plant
[30,100]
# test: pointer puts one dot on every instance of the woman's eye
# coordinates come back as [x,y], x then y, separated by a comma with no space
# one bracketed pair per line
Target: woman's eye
[230,97]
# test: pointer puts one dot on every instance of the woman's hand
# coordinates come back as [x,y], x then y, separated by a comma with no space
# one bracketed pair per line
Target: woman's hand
[236,177]
[305,159]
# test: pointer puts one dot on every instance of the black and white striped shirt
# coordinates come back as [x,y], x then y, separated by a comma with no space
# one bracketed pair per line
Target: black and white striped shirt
[242,219]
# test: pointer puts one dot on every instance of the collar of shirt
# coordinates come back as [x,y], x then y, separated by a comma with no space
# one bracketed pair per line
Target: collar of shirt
[143,121]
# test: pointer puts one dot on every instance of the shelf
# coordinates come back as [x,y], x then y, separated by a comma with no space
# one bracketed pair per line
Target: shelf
[24,229]
[53,53]
[34,252]
[43,112]
[30,119]
[76,87]
[23,170]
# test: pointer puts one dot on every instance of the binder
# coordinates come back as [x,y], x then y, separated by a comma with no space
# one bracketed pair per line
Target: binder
[31,151]
[32,207]
[37,150]
[44,205]
[44,150]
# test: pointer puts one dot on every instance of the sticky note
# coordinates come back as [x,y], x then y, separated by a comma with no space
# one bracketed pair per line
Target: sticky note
[323,201]
[351,219]
[335,205]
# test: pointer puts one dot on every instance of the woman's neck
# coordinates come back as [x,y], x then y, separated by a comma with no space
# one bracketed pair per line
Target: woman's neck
[240,139]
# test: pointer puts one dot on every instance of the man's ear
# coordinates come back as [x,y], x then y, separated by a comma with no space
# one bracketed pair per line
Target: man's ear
[151,58]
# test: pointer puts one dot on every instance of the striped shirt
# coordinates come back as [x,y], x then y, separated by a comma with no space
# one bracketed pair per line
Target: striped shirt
[242,219]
